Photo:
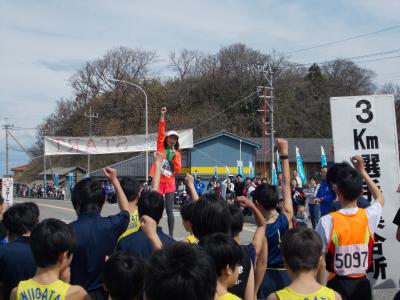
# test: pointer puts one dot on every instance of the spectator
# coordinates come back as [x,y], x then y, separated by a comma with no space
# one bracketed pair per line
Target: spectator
[186,214]
[325,194]
[313,206]
[240,186]
[298,179]
[3,229]
[199,186]
[16,259]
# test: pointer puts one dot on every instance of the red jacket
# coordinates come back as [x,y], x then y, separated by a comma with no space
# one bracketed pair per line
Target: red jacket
[176,161]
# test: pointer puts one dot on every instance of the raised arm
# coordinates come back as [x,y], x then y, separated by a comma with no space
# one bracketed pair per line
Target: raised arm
[283,149]
[161,130]
[358,163]
[111,175]
[259,234]
[158,159]
[189,179]
[149,227]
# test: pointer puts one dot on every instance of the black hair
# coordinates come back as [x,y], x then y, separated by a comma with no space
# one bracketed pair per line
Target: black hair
[237,219]
[313,178]
[88,195]
[180,271]
[279,173]
[20,219]
[151,204]
[301,249]
[210,215]
[248,178]
[187,211]
[239,175]
[267,195]
[333,171]
[35,209]
[123,276]
[349,183]
[49,239]
[223,250]
[131,188]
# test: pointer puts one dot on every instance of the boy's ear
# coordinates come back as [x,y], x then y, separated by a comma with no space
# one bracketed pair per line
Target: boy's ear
[228,271]
[320,262]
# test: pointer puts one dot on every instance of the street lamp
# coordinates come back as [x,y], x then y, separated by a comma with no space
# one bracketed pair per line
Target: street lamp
[147,123]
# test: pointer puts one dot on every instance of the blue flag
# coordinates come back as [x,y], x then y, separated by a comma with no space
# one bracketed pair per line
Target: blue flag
[274,177]
[300,167]
[278,162]
[323,158]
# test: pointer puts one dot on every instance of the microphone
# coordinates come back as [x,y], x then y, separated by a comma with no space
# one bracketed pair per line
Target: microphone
[173,147]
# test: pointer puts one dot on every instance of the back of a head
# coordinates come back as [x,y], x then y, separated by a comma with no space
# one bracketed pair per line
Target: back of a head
[210,215]
[187,211]
[35,209]
[223,250]
[131,187]
[301,249]
[151,204]
[333,172]
[349,183]
[49,239]
[237,219]
[124,276]
[88,195]
[180,271]
[267,195]
[20,218]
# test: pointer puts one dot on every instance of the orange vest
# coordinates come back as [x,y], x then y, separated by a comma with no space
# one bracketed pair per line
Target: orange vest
[349,250]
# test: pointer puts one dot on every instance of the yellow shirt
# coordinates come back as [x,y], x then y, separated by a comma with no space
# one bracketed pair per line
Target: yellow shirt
[133,226]
[228,296]
[29,290]
[191,239]
[323,293]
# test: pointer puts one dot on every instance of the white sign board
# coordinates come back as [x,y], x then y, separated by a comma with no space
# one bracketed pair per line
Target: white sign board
[111,144]
[7,190]
[366,125]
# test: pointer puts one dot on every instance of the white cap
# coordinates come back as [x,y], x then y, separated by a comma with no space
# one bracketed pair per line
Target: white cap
[172,132]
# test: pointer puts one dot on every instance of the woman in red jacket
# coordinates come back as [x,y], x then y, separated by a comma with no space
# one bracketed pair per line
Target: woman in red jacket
[168,145]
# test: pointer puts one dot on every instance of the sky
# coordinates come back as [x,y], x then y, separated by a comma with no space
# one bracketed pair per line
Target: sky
[42,43]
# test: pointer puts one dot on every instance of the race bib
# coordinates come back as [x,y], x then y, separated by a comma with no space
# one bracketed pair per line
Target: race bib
[166,169]
[351,259]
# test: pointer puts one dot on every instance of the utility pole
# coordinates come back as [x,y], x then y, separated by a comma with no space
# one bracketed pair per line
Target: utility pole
[7,127]
[91,115]
[266,92]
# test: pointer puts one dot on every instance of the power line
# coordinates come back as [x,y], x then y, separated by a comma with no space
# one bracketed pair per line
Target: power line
[344,40]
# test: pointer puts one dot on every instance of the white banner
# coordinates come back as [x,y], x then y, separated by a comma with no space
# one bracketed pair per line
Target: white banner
[7,190]
[366,125]
[111,144]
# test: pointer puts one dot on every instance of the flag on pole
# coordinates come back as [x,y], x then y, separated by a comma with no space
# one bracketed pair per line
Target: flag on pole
[323,158]
[274,177]
[300,167]
[227,171]
[216,172]
[251,169]
[278,162]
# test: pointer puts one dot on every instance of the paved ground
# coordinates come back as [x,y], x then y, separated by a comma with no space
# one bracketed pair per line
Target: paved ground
[64,211]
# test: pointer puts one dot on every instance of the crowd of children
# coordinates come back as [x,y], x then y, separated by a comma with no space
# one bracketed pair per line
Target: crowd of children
[128,256]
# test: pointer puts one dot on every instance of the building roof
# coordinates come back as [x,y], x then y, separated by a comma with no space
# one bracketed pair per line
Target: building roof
[310,149]
[62,170]
[134,166]
[248,141]
[20,168]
